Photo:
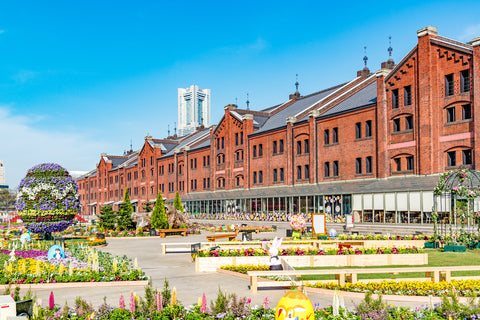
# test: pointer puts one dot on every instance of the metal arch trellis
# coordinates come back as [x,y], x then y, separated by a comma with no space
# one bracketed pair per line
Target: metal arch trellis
[456,199]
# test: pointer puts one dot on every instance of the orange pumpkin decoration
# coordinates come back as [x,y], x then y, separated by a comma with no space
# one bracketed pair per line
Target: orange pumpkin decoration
[294,305]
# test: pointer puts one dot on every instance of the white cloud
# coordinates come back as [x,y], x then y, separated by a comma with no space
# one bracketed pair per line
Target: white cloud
[24,75]
[22,146]
[470,32]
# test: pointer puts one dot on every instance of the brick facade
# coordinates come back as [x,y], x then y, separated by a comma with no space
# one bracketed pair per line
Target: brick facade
[416,119]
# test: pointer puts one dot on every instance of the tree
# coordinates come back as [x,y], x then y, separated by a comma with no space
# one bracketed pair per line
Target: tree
[177,203]
[107,217]
[7,200]
[126,200]
[124,214]
[147,206]
[159,217]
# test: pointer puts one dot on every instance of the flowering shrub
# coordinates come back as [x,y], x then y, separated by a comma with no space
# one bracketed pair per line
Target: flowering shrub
[47,199]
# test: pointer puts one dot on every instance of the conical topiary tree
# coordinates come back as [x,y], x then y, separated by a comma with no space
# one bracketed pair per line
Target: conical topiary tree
[159,217]
[177,203]
[107,217]
[124,215]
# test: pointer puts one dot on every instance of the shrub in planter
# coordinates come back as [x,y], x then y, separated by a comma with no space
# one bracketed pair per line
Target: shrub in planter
[47,199]
[454,248]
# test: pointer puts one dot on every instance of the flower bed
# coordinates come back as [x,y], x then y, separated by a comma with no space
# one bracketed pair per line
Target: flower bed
[467,288]
[211,260]
[164,304]
[382,237]
[232,228]
[244,268]
[307,251]
[82,264]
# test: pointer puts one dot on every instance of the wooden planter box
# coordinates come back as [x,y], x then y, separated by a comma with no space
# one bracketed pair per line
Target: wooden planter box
[210,264]
[454,248]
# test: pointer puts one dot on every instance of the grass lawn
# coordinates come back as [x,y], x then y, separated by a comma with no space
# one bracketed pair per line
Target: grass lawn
[436,258]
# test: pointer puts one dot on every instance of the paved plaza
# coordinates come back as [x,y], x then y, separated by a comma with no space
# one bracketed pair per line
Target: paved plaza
[180,272]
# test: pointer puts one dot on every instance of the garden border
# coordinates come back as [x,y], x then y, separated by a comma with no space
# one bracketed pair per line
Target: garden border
[358,295]
[61,285]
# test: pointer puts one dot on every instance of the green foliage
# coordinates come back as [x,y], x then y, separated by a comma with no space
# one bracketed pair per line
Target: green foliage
[147,305]
[124,219]
[159,217]
[451,307]
[177,203]
[127,202]
[107,217]
[147,206]
[220,305]
[166,293]
[120,314]
[371,308]
[7,200]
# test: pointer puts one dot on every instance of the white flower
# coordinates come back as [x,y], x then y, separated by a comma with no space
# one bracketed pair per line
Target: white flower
[31,193]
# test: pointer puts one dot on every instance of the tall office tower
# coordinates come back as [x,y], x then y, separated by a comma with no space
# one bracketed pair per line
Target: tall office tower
[2,175]
[193,109]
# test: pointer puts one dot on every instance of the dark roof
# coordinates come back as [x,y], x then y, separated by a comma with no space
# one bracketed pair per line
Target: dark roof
[204,144]
[189,140]
[279,119]
[259,121]
[133,164]
[116,160]
[365,97]
[404,183]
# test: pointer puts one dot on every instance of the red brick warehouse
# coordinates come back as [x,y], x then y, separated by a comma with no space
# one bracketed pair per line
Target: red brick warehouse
[373,146]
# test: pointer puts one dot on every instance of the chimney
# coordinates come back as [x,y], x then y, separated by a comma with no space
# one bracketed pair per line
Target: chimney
[363,73]
[389,64]
[430,30]
[230,106]
[294,96]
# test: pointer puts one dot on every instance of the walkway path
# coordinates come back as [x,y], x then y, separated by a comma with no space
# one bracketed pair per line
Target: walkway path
[180,272]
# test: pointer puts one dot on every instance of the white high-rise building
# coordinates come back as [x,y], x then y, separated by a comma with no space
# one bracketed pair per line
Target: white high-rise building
[2,174]
[193,109]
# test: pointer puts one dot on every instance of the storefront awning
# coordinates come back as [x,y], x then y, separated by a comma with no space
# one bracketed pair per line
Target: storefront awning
[134,201]
[118,202]
[92,204]
[109,202]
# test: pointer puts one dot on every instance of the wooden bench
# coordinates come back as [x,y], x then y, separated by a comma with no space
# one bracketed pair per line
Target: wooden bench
[435,274]
[229,236]
[163,232]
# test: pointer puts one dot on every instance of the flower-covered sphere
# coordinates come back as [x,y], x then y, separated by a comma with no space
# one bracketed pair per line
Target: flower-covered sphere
[47,199]
[298,223]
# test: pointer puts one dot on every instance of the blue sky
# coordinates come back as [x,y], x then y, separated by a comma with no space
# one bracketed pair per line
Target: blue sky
[85,77]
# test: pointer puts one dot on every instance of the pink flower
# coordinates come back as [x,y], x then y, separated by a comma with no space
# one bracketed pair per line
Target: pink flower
[249,300]
[121,303]
[266,303]
[203,309]
[51,301]
[132,302]
[159,302]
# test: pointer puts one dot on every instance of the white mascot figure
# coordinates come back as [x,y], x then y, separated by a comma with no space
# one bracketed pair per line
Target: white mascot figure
[275,263]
